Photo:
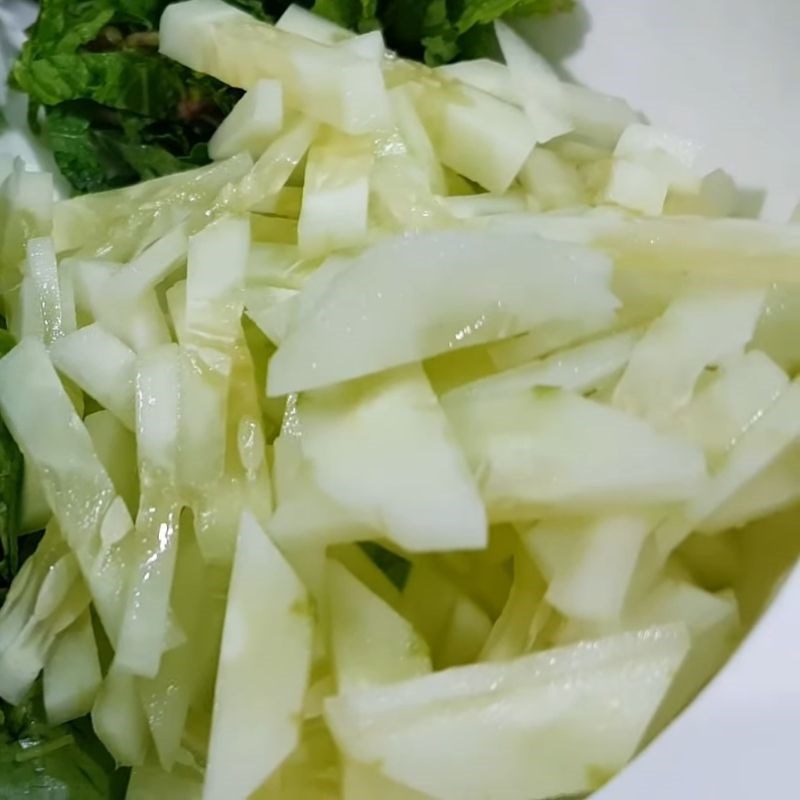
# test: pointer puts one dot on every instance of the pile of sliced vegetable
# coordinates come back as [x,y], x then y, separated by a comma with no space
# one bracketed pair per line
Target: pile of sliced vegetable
[415,448]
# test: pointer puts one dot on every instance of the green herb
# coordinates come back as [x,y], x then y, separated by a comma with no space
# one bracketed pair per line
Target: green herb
[43,762]
[114,111]
[393,566]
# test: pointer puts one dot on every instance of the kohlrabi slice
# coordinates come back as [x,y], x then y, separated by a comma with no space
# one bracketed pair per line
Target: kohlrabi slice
[406,299]
[263,672]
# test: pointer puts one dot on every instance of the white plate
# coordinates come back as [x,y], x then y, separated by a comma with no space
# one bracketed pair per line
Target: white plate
[723,72]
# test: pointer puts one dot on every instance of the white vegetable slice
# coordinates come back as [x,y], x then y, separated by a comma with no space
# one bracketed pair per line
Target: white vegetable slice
[550,450]
[271,309]
[591,577]
[406,299]
[485,74]
[102,366]
[536,727]
[72,675]
[553,181]
[115,446]
[327,83]
[42,270]
[117,224]
[416,138]
[335,195]
[734,400]
[636,187]
[149,781]
[302,22]
[143,633]
[371,643]
[536,86]
[118,718]
[763,443]
[214,296]
[491,155]
[252,124]
[382,449]
[698,330]
[368,45]
[263,670]
[580,369]
[80,493]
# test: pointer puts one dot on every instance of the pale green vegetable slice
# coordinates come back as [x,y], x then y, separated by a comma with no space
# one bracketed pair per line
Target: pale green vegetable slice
[118,224]
[485,74]
[79,491]
[537,88]
[72,674]
[335,195]
[371,643]
[102,366]
[382,449]
[455,119]
[411,298]
[580,369]
[512,633]
[254,122]
[549,450]
[118,718]
[148,268]
[763,443]
[302,22]
[26,211]
[536,727]
[635,187]
[552,180]
[271,309]
[42,270]
[734,399]
[465,636]
[698,330]
[263,670]
[327,83]
[590,577]
[143,632]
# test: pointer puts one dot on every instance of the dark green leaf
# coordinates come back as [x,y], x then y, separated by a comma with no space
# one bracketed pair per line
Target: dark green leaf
[43,762]
[393,566]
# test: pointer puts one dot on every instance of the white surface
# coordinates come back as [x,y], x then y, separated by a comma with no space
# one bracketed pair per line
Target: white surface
[724,72]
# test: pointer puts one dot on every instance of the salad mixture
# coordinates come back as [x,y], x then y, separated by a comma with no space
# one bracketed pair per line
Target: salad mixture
[437,439]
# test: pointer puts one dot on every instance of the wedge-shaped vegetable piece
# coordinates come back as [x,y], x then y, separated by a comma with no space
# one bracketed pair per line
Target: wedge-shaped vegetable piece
[91,515]
[254,122]
[734,400]
[698,330]
[100,364]
[760,446]
[549,450]
[327,83]
[72,675]
[143,633]
[383,450]
[371,643]
[271,308]
[116,448]
[580,369]
[406,299]
[636,187]
[118,718]
[537,88]
[552,180]
[485,74]
[335,195]
[591,572]
[491,155]
[536,727]
[118,224]
[263,670]
[712,621]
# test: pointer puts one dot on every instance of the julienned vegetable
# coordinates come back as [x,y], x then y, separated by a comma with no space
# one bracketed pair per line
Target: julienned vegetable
[115,111]
[374,461]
